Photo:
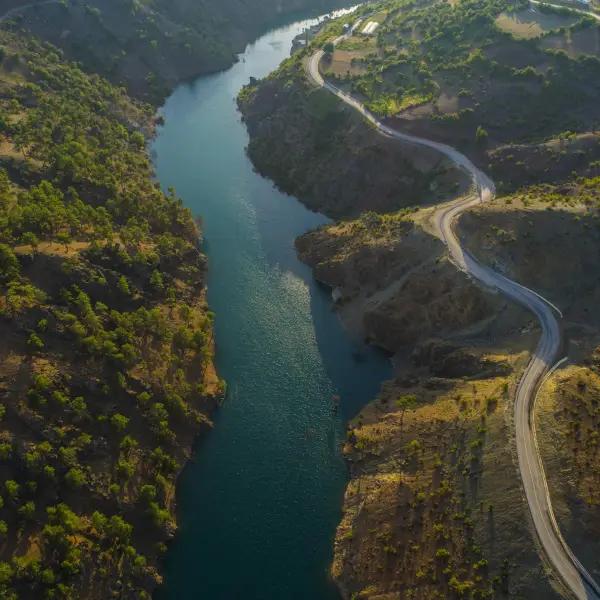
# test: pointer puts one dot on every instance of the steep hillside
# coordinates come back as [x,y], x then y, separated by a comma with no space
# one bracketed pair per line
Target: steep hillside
[150,46]
[434,507]
[547,237]
[393,282]
[106,368]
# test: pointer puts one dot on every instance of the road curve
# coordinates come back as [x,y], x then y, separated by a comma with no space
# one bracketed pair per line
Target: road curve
[576,579]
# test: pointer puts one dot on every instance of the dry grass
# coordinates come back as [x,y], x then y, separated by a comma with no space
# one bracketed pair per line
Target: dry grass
[434,504]
[531,23]
[567,422]
[585,42]
[346,62]
[69,249]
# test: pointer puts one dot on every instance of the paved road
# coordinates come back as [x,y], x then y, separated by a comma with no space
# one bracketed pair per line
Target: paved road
[578,582]
[581,11]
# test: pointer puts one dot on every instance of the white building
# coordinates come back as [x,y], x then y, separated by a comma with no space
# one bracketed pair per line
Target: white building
[370,27]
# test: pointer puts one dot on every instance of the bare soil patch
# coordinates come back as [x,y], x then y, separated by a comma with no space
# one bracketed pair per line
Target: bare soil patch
[531,23]
[346,62]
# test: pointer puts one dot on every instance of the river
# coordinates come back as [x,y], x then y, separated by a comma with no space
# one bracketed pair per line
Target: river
[259,502]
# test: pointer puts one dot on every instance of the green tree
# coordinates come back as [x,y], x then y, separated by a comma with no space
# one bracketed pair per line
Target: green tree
[75,477]
[137,139]
[118,530]
[119,422]
[5,451]
[6,573]
[30,239]
[156,280]
[147,494]
[27,510]
[125,469]
[64,238]
[9,264]
[404,403]
[47,576]
[123,286]
[481,136]
[12,488]
[34,342]
[99,522]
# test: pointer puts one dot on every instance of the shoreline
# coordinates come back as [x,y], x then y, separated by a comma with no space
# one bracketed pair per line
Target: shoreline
[332,480]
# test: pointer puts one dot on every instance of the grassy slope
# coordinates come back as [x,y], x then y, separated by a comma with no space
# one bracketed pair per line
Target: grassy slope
[106,342]
[388,542]
[434,508]
[467,73]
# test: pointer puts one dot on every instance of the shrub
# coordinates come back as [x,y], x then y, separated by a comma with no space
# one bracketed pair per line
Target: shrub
[442,554]
[481,136]
[119,422]
[34,342]
[12,488]
[75,477]
[27,510]
[9,264]
[123,286]
[6,573]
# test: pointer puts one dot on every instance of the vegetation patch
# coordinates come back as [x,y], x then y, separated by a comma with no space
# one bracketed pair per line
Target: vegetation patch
[532,23]
[504,66]
[106,349]
[421,519]
[576,43]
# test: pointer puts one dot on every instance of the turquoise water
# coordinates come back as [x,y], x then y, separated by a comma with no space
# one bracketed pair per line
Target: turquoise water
[259,503]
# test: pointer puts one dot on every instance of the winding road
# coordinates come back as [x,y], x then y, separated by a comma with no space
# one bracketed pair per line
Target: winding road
[577,581]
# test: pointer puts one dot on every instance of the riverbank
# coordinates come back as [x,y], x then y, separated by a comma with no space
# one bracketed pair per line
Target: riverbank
[268,481]
[108,372]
